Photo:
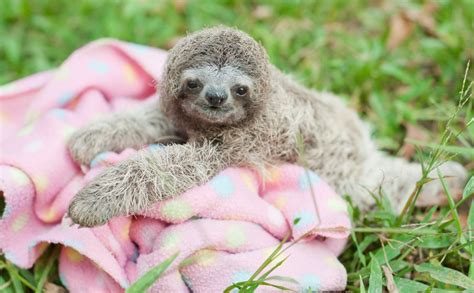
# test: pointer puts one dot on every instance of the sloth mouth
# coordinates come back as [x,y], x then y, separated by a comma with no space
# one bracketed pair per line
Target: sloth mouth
[208,113]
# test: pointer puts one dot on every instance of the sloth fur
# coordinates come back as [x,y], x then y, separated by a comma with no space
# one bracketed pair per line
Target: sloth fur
[275,120]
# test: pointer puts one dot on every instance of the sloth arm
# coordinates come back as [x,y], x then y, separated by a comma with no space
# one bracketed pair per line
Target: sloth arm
[118,131]
[149,176]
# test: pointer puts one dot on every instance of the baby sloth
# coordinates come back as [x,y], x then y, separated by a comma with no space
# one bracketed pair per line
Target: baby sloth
[233,108]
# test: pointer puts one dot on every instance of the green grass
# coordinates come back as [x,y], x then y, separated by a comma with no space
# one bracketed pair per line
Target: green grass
[333,45]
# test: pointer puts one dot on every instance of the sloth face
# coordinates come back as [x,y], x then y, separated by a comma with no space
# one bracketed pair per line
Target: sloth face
[213,95]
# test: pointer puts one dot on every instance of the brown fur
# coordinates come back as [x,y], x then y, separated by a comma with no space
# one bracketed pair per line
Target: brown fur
[276,110]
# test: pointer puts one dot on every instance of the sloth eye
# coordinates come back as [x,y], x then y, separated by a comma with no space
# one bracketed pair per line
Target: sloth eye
[192,84]
[241,90]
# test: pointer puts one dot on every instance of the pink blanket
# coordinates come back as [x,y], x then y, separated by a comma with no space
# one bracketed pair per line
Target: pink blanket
[222,230]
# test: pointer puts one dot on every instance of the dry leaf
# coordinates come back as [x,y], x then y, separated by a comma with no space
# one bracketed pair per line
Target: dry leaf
[53,288]
[262,12]
[391,287]
[413,132]
[171,42]
[180,5]
[400,28]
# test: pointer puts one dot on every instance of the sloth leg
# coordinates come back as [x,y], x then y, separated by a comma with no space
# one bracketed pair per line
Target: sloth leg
[119,131]
[147,177]
[397,178]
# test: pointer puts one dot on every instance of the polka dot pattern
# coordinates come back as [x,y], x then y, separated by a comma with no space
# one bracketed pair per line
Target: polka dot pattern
[41,182]
[304,219]
[236,237]
[223,186]
[176,210]
[307,179]
[20,222]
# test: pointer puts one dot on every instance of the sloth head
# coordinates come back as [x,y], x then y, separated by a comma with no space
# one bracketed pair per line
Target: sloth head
[215,77]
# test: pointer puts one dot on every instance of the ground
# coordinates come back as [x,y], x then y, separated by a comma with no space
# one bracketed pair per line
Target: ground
[401,64]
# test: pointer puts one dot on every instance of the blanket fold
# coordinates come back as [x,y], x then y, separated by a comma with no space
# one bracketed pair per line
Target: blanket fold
[222,230]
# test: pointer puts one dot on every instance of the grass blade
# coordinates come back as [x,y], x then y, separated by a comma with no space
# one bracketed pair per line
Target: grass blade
[375,280]
[142,284]
[446,275]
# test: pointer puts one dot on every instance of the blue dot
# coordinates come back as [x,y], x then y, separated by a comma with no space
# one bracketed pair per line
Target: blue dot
[303,219]
[58,113]
[11,257]
[74,244]
[98,159]
[307,179]
[240,276]
[65,98]
[62,278]
[155,146]
[99,66]
[310,283]
[223,185]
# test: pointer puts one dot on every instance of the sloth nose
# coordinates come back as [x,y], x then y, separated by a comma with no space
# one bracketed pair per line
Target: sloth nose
[216,97]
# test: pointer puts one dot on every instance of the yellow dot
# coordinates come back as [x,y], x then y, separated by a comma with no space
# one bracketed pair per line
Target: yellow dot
[73,255]
[281,201]
[170,241]
[31,116]
[176,210]
[205,257]
[62,73]
[273,175]
[49,215]
[20,222]
[19,177]
[4,117]
[249,183]
[41,182]
[235,236]
[126,230]
[337,204]
[130,74]
[27,129]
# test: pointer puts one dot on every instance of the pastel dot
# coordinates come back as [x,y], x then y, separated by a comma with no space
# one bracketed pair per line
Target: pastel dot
[31,116]
[99,159]
[303,219]
[41,182]
[223,185]
[235,236]
[155,146]
[275,216]
[281,201]
[170,241]
[72,255]
[337,204]
[176,210]
[58,113]
[26,130]
[307,179]
[241,276]
[130,74]
[332,262]
[33,146]
[249,182]
[98,66]
[125,233]
[310,283]
[62,73]
[4,117]
[65,98]
[20,222]
[273,175]
[49,215]
[74,243]
[19,177]
[68,131]
[205,257]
